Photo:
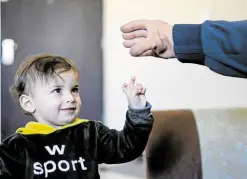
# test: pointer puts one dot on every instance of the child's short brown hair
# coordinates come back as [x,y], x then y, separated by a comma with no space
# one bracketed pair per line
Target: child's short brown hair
[42,66]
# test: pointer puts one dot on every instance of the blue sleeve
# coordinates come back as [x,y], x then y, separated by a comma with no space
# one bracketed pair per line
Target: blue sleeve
[219,45]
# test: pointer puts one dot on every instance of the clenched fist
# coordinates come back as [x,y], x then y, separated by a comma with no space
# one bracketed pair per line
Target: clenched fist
[148,38]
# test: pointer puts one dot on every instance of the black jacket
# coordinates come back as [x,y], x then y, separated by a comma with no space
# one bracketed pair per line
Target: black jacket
[74,151]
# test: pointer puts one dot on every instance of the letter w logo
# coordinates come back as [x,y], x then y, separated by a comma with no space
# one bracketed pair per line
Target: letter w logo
[55,148]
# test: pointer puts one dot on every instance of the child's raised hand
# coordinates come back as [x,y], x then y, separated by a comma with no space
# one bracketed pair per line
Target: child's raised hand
[135,94]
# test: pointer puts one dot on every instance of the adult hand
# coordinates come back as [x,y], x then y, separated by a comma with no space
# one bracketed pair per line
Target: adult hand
[148,38]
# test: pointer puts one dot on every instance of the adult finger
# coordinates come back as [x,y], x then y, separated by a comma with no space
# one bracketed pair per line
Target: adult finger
[140,47]
[135,34]
[148,53]
[134,25]
[132,42]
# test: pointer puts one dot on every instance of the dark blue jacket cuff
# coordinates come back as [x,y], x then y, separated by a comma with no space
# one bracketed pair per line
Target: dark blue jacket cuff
[187,43]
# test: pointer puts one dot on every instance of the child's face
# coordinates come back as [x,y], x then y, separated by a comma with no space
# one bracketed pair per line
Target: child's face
[57,102]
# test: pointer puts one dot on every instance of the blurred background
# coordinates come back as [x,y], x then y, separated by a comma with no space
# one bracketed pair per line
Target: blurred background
[88,32]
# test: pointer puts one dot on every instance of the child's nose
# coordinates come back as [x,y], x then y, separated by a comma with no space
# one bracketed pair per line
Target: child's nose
[69,97]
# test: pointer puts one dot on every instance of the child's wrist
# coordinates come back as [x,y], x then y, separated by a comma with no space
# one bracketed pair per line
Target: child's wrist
[146,107]
[142,112]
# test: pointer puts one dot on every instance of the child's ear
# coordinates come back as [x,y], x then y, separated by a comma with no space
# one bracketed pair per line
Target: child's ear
[26,103]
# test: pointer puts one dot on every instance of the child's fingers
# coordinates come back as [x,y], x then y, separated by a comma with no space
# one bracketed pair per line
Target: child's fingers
[143,91]
[132,81]
[138,91]
[124,87]
[139,86]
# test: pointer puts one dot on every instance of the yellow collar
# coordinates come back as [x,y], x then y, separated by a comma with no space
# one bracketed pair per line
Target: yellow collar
[38,128]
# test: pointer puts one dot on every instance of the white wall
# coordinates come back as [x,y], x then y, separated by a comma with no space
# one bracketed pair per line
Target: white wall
[170,84]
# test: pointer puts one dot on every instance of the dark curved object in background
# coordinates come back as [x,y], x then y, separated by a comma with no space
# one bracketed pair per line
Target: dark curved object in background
[173,150]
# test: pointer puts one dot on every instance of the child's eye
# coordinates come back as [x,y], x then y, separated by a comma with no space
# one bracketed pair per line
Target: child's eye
[75,90]
[57,90]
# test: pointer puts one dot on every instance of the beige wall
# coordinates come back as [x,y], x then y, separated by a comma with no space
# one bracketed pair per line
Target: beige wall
[170,84]
[222,135]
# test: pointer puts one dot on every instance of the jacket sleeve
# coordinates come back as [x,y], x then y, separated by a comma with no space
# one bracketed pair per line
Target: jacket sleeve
[128,144]
[11,162]
[219,45]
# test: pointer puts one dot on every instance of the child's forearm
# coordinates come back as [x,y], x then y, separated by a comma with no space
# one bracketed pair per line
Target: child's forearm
[128,144]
